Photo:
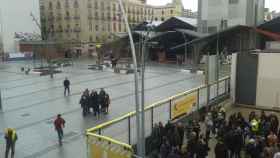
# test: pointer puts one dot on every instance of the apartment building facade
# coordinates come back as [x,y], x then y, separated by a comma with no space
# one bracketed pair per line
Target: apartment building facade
[214,15]
[97,21]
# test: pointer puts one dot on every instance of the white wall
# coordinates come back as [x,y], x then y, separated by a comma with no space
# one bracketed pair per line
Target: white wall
[268,82]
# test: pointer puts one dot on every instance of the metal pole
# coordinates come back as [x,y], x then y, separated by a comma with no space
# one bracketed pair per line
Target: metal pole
[0,101]
[207,80]
[2,36]
[217,60]
[139,145]
[143,97]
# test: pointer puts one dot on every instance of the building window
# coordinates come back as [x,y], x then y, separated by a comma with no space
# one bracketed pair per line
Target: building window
[109,28]
[120,27]
[96,5]
[96,15]
[233,1]
[50,5]
[68,29]
[108,16]
[102,6]
[66,3]
[156,19]
[90,38]
[114,7]
[89,5]
[96,28]
[103,16]
[162,19]
[76,4]
[171,11]
[162,12]
[58,5]
[97,39]
[114,27]
[90,26]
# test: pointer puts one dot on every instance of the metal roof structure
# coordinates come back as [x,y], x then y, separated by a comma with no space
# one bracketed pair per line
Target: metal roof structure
[272,25]
[230,32]
[177,23]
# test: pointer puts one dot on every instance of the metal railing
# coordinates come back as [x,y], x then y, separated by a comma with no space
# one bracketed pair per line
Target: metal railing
[123,129]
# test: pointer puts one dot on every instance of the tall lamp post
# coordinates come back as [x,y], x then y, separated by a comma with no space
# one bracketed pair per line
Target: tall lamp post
[138,129]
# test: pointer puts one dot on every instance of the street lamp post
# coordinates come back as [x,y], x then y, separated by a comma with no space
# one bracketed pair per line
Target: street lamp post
[138,129]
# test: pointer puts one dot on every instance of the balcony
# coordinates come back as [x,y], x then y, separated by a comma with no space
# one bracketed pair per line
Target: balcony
[67,30]
[67,18]
[77,30]
[77,17]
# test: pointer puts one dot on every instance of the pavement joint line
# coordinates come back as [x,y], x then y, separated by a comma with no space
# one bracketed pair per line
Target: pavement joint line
[24,85]
[73,94]
[78,109]
[27,78]
[77,83]
[55,87]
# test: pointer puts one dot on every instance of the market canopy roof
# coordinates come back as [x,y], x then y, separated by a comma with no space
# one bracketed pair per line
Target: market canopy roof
[177,23]
[222,35]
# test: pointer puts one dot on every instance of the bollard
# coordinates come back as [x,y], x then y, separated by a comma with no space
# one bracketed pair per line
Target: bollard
[0,101]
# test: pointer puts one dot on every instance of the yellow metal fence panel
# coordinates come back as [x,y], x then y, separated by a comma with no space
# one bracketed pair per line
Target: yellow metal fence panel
[183,105]
[102,147]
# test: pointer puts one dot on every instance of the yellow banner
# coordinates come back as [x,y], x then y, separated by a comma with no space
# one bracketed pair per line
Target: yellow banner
[184,105]
[100,148]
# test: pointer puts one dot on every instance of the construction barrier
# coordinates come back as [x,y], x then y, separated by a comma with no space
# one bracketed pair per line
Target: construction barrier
[115,138]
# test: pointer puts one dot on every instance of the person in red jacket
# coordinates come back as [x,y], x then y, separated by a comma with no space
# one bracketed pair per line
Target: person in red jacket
[59,124]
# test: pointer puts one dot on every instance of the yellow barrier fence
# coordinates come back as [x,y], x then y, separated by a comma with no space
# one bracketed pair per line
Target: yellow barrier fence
[114,139]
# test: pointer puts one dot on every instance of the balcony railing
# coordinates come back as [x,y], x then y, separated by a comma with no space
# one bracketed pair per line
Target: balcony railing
[77,17]
[77,30]
[67,18]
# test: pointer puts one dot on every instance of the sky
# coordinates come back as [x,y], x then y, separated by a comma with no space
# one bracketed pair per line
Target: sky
[16,15]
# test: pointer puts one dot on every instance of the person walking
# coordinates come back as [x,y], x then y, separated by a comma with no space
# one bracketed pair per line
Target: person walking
[107,103]
[59,124]
[66,84]
[101,98]
[83,102]
[11,138]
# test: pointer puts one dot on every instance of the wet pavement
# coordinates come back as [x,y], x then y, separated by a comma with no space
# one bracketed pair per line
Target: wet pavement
[31,102]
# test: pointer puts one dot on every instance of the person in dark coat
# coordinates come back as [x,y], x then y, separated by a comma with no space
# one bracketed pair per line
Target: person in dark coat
[66,84]
[95,104]
[101,98]
[174,153]
[201,149]
[83,102]
[220,150]
[252,149]
[237,142]
[165,148]
[107,103]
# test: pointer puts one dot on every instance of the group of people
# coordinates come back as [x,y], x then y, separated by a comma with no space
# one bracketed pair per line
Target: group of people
[98,102]
[234,136]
